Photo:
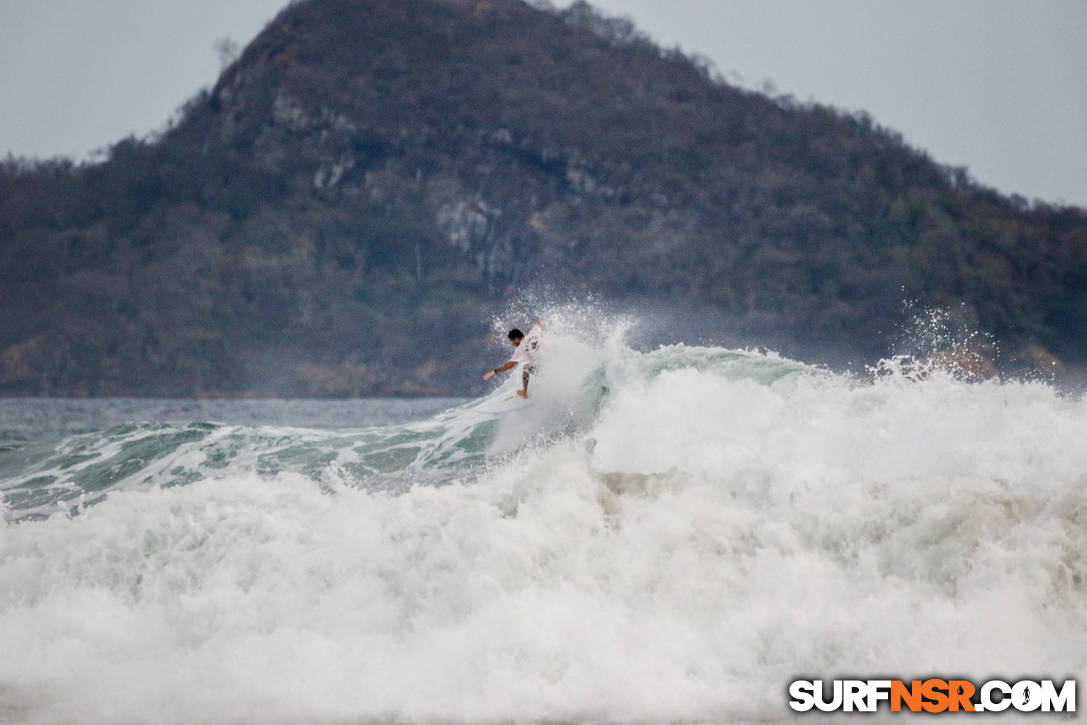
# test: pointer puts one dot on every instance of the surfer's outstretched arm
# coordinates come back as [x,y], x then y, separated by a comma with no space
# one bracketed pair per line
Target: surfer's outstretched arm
[500,369]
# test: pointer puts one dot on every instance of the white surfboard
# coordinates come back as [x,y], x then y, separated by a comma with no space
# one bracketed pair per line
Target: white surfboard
[503,405]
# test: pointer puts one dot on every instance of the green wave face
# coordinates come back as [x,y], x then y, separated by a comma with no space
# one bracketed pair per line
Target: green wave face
[40,478]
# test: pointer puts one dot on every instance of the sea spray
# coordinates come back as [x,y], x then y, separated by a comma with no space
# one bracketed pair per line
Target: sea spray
[676,535]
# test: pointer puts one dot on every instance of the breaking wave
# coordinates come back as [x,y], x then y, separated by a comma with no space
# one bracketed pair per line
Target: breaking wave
[664,535]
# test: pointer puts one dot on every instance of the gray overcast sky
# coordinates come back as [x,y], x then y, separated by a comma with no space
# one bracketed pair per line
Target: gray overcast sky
[995,85]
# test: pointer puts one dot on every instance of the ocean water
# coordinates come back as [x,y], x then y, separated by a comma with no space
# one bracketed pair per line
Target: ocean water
[668,535]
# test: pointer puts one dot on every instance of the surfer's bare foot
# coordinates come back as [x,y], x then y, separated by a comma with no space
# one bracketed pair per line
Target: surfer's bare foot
[522,393]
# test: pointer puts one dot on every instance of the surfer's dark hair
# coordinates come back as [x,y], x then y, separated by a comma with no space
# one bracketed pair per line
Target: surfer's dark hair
[516,334]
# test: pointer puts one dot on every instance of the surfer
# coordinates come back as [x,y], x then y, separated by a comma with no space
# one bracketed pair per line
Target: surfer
[526,349]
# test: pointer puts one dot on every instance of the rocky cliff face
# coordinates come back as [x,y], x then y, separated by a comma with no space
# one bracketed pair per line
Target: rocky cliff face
[370,171]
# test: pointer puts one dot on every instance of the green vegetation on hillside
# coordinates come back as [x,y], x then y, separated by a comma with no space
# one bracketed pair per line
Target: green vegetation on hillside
[369,172]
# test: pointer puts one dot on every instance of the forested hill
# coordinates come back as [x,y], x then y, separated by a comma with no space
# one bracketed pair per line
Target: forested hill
[371,174]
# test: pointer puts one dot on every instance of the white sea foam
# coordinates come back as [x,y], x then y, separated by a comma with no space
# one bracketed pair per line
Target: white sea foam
[713,525]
